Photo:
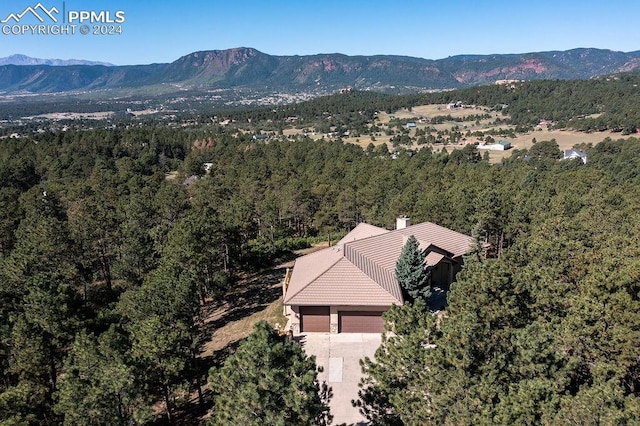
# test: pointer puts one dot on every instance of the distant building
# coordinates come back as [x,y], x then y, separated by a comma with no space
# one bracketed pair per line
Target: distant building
[575,153]
[411,125]
[260,137]
[505,82]
[503,145]
[409,153]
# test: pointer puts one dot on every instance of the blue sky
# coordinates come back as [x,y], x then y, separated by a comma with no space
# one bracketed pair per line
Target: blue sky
[164,30]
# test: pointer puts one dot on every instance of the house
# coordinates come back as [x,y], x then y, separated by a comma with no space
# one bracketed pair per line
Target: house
[408,152]
[347,287]
[503,145]
[543,124]
[575,153]
[411,125]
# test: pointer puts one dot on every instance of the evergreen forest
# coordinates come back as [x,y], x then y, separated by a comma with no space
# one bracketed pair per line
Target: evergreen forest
[111,241]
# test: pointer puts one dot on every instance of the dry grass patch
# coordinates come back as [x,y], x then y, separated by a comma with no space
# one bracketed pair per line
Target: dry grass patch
[364,140]
[77,115]
[254,298]
[292,131]
[240,329]
[434,110]
[566,139]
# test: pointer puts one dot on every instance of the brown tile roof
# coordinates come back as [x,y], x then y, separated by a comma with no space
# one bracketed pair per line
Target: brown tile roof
[363,230]
[331,288]
[308,268]
[433,258]
[360,269]
[429,233]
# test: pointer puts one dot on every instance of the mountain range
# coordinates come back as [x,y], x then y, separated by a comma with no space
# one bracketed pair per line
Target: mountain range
[27,60]
[252,69]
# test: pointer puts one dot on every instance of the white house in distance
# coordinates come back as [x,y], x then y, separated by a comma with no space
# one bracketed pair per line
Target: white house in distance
[346,288]
[570,154]
[503,145]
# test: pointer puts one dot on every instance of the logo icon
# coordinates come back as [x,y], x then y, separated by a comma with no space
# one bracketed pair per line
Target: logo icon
[38,11]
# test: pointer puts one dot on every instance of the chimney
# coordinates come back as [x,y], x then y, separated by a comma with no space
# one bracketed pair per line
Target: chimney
[402,222]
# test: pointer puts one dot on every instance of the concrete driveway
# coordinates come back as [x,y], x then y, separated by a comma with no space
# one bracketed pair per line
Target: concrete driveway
[339,355]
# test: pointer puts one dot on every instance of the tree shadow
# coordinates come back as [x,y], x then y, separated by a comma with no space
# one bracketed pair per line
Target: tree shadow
[250,295]
[193,411]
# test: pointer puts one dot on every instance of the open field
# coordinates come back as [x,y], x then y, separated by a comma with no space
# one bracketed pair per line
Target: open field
[566,139]
[434,110]
[76,115]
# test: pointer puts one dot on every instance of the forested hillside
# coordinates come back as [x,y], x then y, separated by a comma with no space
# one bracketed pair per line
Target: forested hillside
[549,333]
[608,103]
[105,259]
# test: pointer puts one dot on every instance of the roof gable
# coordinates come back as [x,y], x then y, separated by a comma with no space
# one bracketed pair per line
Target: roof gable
[308,268]
[433,258]
[431,248]
[362,230]
[429,233]
[574,151]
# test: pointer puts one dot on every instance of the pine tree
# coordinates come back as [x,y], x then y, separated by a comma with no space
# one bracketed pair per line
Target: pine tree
[411,272]
[162,319]
[98,386]
[391,394]
[269,381]
[37,312]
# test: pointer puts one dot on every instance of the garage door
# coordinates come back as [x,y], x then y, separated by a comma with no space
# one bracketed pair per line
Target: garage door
[360,322]
[314,318]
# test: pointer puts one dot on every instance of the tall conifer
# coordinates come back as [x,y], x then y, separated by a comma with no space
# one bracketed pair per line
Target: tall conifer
[411,272]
